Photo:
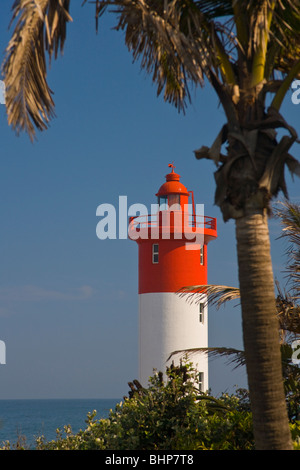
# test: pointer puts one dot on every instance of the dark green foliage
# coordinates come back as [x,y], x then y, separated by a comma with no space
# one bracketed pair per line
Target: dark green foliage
[169,415]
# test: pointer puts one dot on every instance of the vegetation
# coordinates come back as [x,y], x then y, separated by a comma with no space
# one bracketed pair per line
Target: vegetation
[169,415]
[249,51]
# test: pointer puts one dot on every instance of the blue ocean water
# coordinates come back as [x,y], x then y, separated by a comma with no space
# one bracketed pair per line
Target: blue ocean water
[32,418]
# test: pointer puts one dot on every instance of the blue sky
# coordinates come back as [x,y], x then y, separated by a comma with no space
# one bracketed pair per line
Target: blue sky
[68,301]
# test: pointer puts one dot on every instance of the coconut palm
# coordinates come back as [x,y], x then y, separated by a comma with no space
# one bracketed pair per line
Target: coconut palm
[249,51]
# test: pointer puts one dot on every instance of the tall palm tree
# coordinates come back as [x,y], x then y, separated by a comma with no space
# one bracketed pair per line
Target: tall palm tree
[248,51]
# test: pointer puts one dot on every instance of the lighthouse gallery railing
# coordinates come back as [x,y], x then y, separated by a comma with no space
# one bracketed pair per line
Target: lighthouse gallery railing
[158,220]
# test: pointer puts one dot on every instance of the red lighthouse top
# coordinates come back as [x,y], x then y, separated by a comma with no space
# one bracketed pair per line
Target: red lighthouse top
[173,240]
[173,198]
[172,185]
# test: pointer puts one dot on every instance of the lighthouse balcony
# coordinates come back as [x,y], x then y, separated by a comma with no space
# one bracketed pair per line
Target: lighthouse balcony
[177,224]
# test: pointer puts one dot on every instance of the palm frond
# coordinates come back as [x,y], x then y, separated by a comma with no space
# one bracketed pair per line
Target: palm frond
[214,9]
[209,294]
[286,33]
[280,20]
[176,42]
[213,405]
[234,356]
[287,310]
[288,313]
[100,7]
[289,216]
[181,43]
[40,27]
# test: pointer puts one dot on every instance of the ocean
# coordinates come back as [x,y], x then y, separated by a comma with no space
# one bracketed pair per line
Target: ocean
[32,418]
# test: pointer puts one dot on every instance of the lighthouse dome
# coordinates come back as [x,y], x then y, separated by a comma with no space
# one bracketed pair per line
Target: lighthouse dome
[172,185]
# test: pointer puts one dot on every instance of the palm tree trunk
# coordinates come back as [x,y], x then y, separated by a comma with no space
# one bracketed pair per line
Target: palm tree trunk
[260,332]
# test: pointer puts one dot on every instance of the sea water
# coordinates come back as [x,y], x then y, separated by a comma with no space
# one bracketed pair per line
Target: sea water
[33,418]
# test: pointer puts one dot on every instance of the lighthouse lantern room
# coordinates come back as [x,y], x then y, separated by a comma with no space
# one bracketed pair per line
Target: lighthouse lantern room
[172,254]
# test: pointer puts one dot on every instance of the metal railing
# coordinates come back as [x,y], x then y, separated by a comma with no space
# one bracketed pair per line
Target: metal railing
[165,219]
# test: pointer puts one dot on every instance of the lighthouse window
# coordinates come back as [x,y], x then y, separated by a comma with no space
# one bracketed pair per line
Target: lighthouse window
[201,255]
[155,253]
[174,199]
[201,312]
[163,203]
[201,381]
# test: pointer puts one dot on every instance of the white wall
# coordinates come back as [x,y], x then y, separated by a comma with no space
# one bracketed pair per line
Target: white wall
[168,323]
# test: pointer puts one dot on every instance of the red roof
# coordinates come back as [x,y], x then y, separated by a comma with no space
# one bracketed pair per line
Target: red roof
[172,185]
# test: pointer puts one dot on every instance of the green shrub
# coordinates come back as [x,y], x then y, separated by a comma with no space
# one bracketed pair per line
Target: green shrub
[169,415]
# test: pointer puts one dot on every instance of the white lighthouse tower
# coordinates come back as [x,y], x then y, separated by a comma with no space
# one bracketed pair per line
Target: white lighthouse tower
[172,246]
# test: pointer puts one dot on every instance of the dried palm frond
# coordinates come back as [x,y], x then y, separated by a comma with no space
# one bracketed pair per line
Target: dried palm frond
[288,314]
[176,41]
[234,356]
[289,215]
[209,293]
[40,27]
[100,7]
[286,33]
[180,43]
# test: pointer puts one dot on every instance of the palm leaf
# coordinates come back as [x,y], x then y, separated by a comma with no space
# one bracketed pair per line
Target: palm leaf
[286,32]
[176,41]
[40,27]
[289,215]
[288,313]
[179,42]
[215,9]
[234,356]
[213,405]
[209,293]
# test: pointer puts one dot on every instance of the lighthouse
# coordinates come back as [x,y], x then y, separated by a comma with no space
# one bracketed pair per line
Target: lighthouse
[172,254]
